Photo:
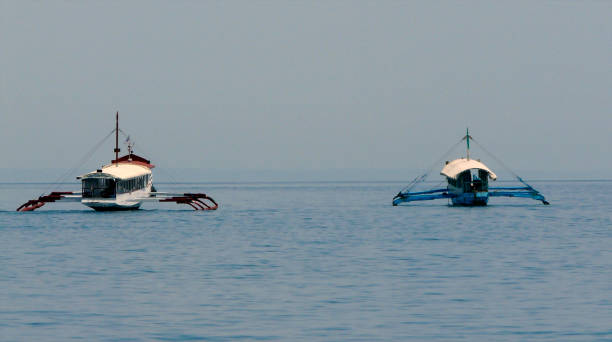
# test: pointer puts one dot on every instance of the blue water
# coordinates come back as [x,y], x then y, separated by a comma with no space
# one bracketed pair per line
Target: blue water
[310,262]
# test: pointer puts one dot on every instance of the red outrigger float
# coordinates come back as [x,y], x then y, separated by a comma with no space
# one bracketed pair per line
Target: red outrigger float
[124,184]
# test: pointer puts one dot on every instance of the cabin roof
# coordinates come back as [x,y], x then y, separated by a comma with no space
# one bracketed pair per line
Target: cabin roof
[126,170]
[123,170]
[455,167]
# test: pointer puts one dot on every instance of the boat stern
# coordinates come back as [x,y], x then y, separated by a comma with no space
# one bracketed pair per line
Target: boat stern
[480,198]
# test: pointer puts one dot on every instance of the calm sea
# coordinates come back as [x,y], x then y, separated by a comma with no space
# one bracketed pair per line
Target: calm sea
[310,262]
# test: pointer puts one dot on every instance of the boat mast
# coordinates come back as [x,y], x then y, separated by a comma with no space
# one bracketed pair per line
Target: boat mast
[117,139]
[467,138]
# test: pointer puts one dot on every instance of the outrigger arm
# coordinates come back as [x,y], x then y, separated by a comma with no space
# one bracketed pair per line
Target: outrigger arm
[64,196]
[198,201]
[421,196]
[526,191]
[523,192]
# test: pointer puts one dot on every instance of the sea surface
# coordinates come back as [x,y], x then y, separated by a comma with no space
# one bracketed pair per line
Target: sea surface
[310,262]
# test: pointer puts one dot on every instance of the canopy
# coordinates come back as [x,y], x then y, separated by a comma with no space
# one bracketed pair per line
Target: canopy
[455,167]
[122,171]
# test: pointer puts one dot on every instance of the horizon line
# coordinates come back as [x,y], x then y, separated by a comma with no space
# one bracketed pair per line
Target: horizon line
[563,180]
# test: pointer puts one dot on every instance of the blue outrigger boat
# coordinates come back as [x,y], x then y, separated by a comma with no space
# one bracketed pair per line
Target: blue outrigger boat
[468,184]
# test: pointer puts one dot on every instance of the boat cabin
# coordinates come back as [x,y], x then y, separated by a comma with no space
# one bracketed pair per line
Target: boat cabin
[98,186]
[116,179]
[468,180]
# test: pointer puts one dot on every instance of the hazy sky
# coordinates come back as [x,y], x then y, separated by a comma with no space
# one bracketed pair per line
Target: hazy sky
[301,85]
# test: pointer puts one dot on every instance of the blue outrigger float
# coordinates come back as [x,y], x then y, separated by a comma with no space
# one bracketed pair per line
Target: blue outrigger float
[468,184]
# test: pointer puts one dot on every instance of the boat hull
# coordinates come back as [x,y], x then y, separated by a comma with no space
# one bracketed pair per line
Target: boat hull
[471,199]
[98,207]
[110,206]
[127,201]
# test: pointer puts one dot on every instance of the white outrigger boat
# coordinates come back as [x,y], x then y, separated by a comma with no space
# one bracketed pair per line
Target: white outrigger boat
[467,184]
[124,184]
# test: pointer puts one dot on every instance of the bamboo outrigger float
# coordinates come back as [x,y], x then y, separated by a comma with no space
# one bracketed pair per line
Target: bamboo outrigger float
[467,184]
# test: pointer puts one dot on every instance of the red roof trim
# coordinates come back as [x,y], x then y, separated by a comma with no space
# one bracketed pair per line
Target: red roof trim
[135,159]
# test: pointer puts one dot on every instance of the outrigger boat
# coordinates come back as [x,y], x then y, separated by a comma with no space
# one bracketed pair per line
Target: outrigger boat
[124,184]
[467,184]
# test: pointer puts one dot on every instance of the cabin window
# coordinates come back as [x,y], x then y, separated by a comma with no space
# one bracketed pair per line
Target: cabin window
[132,184]
[464,180]
[484,178]
[98,188]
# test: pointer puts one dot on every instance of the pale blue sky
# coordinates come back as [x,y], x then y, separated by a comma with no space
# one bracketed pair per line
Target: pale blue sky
[286,85]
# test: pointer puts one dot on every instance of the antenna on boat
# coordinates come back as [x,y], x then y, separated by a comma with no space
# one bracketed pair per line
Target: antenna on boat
[117,150]
[130,147]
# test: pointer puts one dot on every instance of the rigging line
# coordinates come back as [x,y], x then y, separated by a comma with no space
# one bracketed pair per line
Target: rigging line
[80,163]
[495,158]
[423,177]
[161,170]
[502,163]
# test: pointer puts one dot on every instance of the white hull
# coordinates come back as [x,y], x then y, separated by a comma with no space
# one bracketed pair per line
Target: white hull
[127,201]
